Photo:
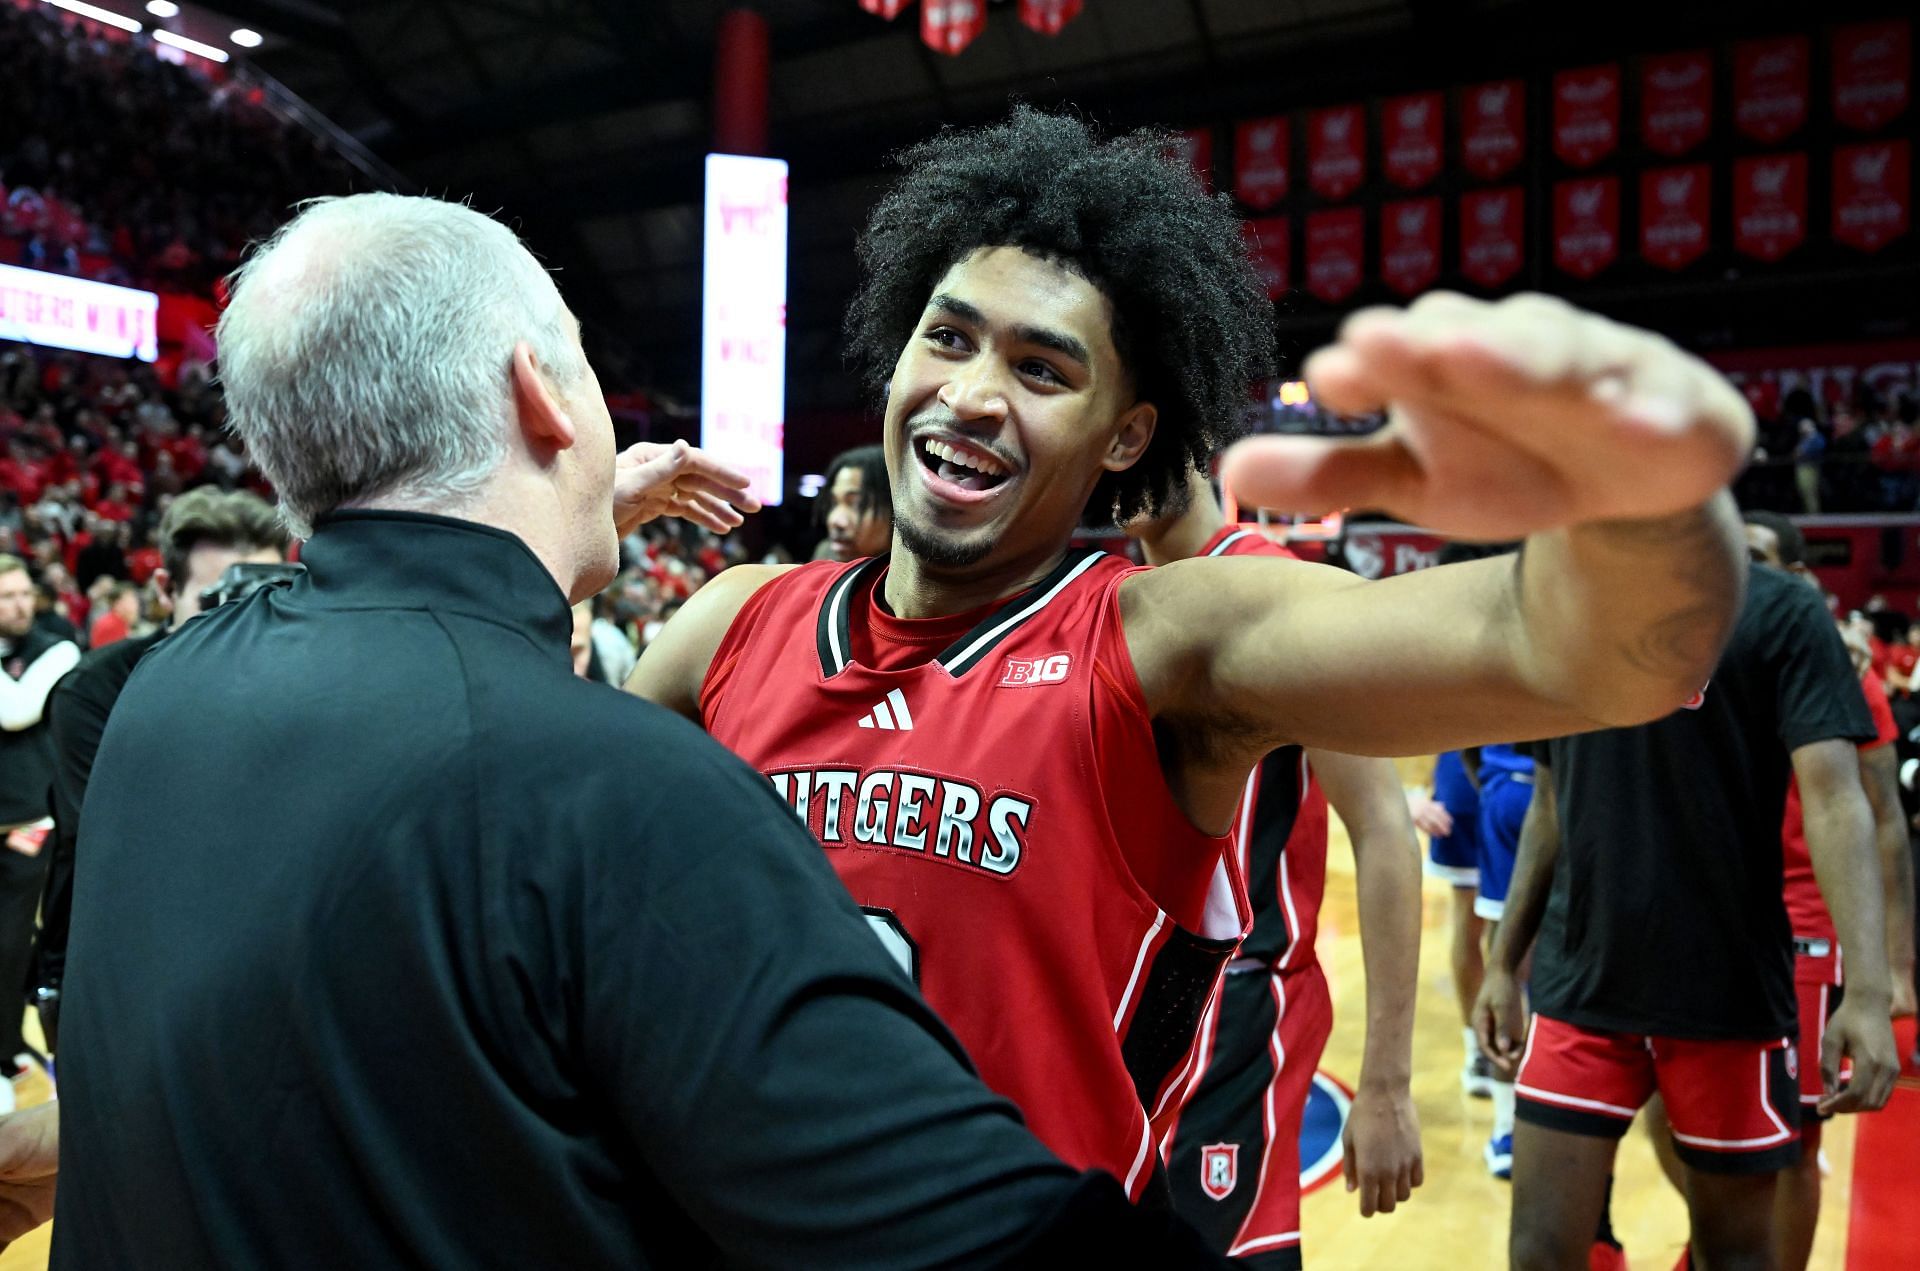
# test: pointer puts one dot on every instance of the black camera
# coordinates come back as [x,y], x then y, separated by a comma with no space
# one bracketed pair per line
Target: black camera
[246,577]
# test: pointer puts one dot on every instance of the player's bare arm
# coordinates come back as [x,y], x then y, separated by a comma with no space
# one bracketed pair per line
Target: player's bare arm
[1880,773]
[674,667]
[1500,1014]
[1382,1140]
[1839,839]
[1607,446]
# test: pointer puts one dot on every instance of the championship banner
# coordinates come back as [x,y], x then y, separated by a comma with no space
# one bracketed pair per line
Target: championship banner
[1676,101]
[1493,127]
[1049,17]
[1770,87]
[1769,205]
[1262,153]
[1269,244]
[1410,138]
[1586,114]
[1674,207]
[1336,151]
[1335,245]
[1586,225]
[1872,65]
[1410,245]
[59,312]
[1492,235]
[1871,192]
[1197,145]
[948,26]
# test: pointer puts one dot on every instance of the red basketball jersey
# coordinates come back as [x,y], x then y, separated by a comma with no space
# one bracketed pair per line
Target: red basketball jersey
[1281,836]
[982,798]
[1806,910]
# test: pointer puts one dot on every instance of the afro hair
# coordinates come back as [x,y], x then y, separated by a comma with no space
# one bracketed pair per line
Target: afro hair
[1192,322]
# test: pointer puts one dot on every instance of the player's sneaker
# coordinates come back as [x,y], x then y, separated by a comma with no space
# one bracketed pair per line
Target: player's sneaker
[1477,1077]
[1499,1156]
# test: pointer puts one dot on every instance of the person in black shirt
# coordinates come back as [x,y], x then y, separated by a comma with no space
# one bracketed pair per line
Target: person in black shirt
[396,944]
[203,532]
[1648,886]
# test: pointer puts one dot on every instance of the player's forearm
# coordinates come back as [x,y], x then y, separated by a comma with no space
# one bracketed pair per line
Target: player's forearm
[1532,881]
[1623,620]
[1880,774]
[1387,885]
[1840,840]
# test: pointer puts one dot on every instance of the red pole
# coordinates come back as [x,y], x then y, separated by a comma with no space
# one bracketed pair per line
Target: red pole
[742,69]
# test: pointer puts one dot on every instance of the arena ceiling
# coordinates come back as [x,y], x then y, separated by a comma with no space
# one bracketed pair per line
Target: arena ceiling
[586,120]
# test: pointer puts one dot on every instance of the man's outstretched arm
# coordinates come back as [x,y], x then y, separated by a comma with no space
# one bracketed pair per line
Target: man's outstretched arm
[1607,447]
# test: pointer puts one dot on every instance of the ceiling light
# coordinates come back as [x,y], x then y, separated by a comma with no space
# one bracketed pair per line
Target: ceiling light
[163,8]
[182,43]
[97,14]
[246,39]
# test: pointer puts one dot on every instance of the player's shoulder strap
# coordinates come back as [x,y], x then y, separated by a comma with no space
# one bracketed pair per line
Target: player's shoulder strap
[833,624]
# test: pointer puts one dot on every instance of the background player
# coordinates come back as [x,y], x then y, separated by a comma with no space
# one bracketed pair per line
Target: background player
[1450,818]
[856,506]
[1263,1037]
[1650,870]
[1065,350]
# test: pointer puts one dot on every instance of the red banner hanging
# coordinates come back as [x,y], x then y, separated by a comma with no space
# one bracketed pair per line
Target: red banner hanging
[1269,243]
[1586,225]
[1770,87]
[1872,65]
[1586,114]
[1492,235]
[1336,151]
[1769,205]
[1493,127]
[1262,153]
[948,26]
[888,9]
[1335,247]
[1871,193]
[1410,244]
[1410,138]
[1197,145]
[1676,101]
[1049,16]
[1674,209]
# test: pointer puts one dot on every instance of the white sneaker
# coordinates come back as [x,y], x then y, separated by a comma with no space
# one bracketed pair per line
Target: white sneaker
[1476,1078]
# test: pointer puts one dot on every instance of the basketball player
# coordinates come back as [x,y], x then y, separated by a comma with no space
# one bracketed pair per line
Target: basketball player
[1023,759]
[1450,818]
[1650,868]
[856,506]
[1774,540]
[1262,1041]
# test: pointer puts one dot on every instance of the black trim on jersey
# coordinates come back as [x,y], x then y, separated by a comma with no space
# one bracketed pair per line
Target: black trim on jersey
[1220,548]
[970,649]
[832,626]
[1171,1004]
[1278,798]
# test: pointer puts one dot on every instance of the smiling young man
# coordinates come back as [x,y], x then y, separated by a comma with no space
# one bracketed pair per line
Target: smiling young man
[1024,760]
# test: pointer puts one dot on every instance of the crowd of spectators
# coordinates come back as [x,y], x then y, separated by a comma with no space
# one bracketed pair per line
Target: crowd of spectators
[122,167]
[1860,454]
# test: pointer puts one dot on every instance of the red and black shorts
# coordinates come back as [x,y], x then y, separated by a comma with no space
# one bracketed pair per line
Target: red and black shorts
[1817,985]
[1734,1105]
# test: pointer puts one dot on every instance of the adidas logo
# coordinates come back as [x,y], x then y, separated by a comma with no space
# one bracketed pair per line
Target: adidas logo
[890,713]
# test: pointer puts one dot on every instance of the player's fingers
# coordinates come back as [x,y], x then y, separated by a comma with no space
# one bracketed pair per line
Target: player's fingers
[1308,475]
[734,494]
[1419,1172]
[715,514]
[1831,1048]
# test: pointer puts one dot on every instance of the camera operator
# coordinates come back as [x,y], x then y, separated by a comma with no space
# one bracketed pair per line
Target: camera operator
[35,659]
[204,531]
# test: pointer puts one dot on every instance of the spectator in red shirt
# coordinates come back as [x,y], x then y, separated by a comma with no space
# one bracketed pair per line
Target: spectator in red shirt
[1901,661]
[123,610]
[117,506]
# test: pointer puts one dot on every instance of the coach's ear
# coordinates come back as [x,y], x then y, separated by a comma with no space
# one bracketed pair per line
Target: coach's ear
[1130,439]
[543,421]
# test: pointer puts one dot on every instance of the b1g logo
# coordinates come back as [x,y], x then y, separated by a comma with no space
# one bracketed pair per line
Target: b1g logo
[1219,1169]
[1026,672]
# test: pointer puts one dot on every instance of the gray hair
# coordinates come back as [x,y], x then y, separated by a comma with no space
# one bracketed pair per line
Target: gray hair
[367,351]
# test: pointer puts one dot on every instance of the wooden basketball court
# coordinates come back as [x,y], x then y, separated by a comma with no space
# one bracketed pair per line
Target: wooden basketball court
[1458,1221]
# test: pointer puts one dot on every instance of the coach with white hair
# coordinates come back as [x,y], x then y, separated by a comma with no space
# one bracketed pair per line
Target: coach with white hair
[396,945]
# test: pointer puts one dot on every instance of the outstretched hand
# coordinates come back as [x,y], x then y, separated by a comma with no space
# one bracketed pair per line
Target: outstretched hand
[652,480]
[29,1168]
[1504,418]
